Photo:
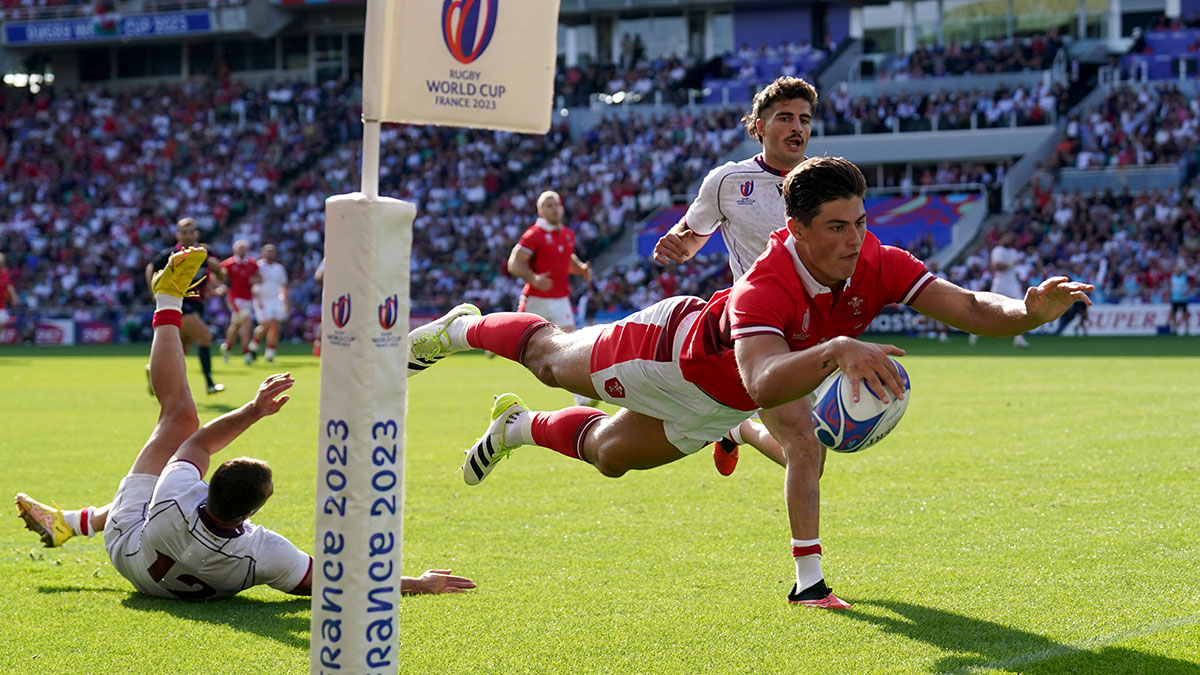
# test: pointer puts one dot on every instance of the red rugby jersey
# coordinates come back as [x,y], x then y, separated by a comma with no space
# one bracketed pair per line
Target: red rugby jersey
[240,272]
[549,253]
[778,295]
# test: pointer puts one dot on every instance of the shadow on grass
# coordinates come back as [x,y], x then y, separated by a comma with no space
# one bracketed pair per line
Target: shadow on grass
[219,408]
[286,621]
[978,645]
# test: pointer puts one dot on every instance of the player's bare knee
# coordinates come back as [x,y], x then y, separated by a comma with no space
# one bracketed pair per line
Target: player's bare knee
[180,418]
[610,470]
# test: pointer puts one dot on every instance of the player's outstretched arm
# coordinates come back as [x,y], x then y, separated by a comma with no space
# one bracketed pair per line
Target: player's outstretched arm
[214,436]
[774,375]
[679,244]
[435,581]
[994,315]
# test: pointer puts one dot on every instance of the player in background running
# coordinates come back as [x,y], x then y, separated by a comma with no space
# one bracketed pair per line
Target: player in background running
[270,301]
[544,257]
[242,273]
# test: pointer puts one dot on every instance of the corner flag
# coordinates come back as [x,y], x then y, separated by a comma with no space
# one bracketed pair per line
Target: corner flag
[472,63]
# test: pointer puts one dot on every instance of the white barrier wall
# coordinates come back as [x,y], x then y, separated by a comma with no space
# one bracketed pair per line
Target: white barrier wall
[360,454]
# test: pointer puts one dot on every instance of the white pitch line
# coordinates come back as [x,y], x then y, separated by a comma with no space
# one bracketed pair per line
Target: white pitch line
[1083,645]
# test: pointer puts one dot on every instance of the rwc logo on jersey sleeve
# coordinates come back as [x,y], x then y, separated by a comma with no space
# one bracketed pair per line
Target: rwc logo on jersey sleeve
[467,27]
[746,189]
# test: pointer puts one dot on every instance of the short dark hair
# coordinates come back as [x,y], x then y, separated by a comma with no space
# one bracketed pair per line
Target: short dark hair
[819,180]
[782,89]
[238,487]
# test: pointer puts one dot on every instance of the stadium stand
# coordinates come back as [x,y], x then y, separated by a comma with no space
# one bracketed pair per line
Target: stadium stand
[1134,125]
[1035,52]
[1124,243]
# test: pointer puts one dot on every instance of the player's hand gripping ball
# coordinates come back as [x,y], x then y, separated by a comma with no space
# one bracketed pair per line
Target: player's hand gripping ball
[846,426]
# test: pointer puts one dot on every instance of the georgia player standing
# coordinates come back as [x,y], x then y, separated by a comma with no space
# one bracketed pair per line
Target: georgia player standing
[545,258]
[242,271]
[270,301]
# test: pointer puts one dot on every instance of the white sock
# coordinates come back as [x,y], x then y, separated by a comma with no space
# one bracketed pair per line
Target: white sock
[808,566]
[735,435]
[270,352]
[78,520]
[164,301]
[456,332]
[519,431]
[584,401]
[254,345]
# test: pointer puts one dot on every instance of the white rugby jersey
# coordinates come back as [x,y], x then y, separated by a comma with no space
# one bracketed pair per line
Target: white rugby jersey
[274,279]
[745,200]
[1006,281]
[186,555]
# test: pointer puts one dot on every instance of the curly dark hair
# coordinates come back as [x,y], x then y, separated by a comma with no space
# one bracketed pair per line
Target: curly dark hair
[782,89]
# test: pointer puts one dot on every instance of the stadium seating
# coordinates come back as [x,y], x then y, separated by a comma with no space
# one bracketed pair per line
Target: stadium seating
[973,58]
[1133,125]
[1125,244]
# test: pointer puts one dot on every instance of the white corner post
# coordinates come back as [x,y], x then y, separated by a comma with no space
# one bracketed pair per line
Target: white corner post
[359,507]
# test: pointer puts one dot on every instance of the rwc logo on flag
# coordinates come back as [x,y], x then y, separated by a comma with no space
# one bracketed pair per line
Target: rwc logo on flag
[467,27]
[388,311]
[341,311]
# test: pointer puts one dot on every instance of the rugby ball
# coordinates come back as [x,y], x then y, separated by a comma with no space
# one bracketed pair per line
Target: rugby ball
[844,425]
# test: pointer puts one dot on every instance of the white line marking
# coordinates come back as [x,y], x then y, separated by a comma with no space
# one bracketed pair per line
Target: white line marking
[1083,645]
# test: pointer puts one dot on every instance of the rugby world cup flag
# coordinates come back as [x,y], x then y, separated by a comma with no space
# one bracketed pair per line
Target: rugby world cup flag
[471,63]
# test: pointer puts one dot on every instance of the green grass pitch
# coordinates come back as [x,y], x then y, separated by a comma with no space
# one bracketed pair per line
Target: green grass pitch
[1034,512]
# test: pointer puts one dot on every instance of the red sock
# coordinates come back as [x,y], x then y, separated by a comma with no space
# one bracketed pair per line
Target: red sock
[506,333]
[562,431]
[167,317]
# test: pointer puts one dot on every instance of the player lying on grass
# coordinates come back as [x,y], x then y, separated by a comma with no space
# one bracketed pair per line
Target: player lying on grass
[166,531]
[685,371]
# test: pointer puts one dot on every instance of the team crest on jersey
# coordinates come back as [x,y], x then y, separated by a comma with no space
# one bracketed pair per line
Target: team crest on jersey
[803,334]
[856,305]
[388,311]
[614,388]
[340,309]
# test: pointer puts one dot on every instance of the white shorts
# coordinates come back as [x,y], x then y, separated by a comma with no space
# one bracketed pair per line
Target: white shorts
[123,531]
[271,310]
[239,308]
[555,310]
[635,365]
